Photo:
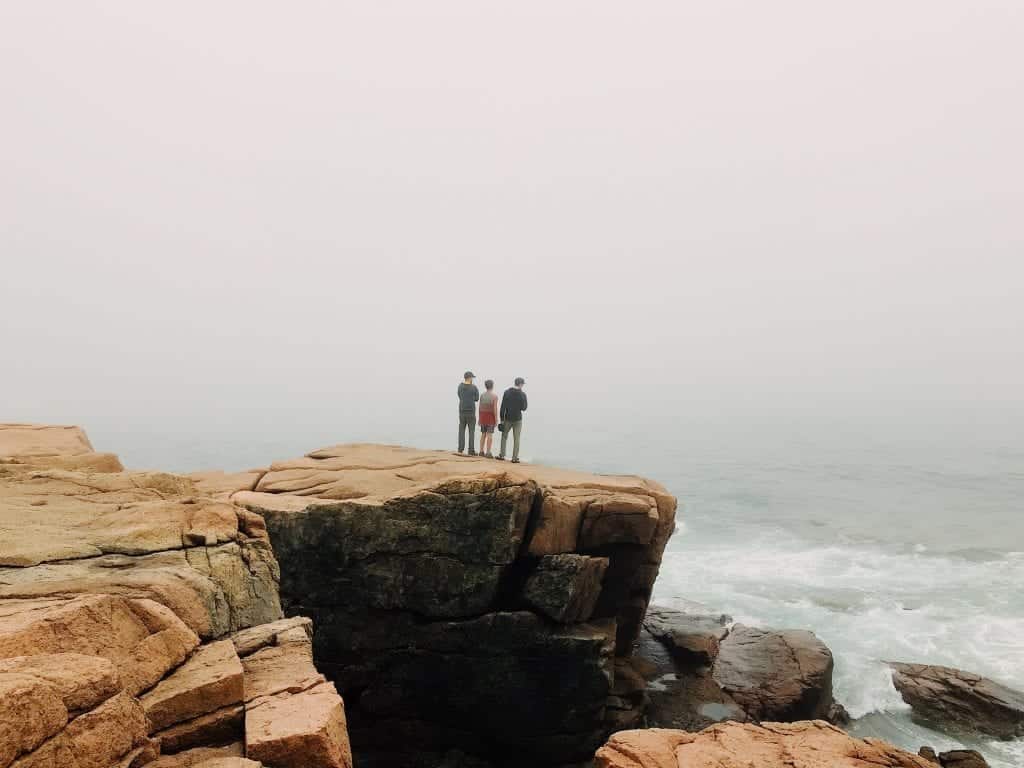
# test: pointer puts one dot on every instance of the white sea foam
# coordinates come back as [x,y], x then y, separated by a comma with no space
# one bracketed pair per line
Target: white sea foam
[869,605]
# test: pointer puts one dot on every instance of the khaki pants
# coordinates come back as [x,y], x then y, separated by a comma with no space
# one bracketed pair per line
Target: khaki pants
[516,428]
[467,422]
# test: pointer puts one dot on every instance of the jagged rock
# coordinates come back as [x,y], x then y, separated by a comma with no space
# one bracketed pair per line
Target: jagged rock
[680,695]
[210,680]
[82,682]
[961,699]
[565,588]
[928,754]
[100,737]
[809,744]
[691,638]
[780,675]
[108,582]
[143,639]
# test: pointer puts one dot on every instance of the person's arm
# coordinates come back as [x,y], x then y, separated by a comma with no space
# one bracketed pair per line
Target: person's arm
[495,406]
[503,411]
[476,393]
[524,398]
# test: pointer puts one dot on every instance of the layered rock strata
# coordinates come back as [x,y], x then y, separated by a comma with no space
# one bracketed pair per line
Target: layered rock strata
[118,591]
[459,602]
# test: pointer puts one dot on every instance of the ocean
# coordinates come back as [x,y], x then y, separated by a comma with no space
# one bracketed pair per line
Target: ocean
[894,535]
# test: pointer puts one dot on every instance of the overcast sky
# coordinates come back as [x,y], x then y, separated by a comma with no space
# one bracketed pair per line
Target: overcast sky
[276,205]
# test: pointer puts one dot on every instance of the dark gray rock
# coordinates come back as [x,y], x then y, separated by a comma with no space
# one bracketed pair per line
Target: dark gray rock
[691,638]
[928,754]
[776,675]
[961,699]
[962,758]
[565,588]
[679,695]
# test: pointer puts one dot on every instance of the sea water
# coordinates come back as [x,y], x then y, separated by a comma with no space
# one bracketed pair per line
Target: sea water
[892,538]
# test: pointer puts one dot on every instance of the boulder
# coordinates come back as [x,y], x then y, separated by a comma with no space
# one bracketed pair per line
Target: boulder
[808,744]
[144,640]
[780,675]
[961,699]
[81,682]
[754,674]
[680,695]
[692,638]
[100,738]
[962,758]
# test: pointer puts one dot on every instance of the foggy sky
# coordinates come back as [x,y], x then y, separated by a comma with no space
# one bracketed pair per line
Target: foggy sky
[276,206]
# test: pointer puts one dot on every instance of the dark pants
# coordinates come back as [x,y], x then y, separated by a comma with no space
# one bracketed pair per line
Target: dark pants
[467,421]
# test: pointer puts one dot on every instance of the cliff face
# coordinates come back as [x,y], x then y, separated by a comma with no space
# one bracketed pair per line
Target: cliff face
[460,602]
[457,603]
[120,596]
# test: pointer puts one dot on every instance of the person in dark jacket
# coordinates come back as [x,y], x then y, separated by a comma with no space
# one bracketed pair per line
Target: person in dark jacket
[468,395]
[513,403]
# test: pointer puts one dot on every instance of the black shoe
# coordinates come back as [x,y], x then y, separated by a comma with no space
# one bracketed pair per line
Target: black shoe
[472,453]
[515,461]
[500,458]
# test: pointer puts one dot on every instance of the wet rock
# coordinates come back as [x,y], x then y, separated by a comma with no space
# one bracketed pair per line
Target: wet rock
[962,758]
[961,699]
[692,638]
[808,744]
[681,696]
[754,674]
[783,675]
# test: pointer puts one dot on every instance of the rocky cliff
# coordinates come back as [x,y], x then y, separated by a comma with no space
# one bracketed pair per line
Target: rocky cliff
[140,616]
[459,602]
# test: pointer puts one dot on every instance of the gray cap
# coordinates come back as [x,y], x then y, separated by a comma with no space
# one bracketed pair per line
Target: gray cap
[469,375]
